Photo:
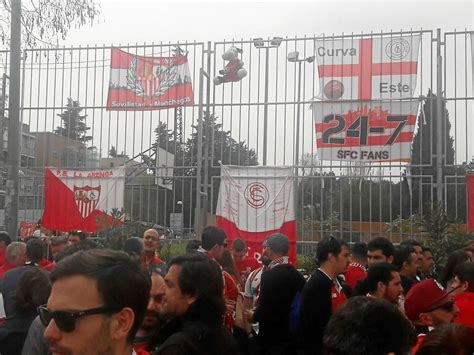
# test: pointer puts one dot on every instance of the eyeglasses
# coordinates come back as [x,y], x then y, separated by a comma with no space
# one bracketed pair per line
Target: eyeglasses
[66,321]
[150,237]
[448,307]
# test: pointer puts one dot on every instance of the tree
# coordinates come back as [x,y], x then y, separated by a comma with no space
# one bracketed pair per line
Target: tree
[73,123]
[423,172]
[113,153]
[47,21]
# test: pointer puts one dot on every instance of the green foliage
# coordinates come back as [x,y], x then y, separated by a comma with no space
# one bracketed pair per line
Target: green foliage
[170,250]
[73,123]
[442,234]
[307,263]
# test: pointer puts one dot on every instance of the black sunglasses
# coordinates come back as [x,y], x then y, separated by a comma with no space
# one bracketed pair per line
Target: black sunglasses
[66,321]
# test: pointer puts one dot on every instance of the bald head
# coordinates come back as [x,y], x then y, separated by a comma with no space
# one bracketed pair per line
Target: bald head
[151,240]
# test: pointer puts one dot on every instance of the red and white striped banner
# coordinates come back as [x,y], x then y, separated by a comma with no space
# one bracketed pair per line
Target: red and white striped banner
[255,202]
[148,83]
[367,68]
[367,131]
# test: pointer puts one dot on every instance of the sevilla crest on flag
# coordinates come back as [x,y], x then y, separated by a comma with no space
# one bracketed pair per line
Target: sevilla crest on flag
[256,202]
[148,83]
[86,199]
[76,199]
[367,68]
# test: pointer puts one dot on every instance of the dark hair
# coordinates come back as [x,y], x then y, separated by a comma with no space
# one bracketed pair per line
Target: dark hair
[35,250]
[426,249]
[228,265]
[402,255]
[368,326]
[448,339]
[328,246]
[202,277]
[212,236]
[4,237]
[359,250]
[193,246]
[411,242]
[81,234]
[121,282]
[239,245]
[465,272]
[454,259]
[382,272]
[32,291]
[383,244]
[133,246]
[83,245]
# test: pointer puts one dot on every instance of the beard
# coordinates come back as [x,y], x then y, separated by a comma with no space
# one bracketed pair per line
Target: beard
[265,260]
[151,321]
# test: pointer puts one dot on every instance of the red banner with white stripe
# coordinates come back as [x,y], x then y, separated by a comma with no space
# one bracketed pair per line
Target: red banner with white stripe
[367,68]
[367,131]
[85,200]
[148,83]
[256,202]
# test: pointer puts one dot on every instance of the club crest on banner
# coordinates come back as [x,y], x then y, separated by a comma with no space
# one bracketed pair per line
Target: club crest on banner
[256,195]
[86,199]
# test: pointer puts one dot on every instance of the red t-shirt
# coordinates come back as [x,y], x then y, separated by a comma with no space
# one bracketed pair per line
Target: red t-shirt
[338,298]
[355,272]
[465,303]
[247,265]
[46,265]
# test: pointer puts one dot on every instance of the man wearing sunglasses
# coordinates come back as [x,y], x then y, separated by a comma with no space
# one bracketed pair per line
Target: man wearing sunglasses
[97,302]
[428,306]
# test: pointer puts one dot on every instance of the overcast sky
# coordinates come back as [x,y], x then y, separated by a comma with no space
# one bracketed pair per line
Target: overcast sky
[158,20]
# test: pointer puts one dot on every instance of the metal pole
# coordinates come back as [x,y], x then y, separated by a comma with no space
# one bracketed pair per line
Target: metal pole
[11,201]
[297,139]
[197,213]
[265,108]
[208,135]
[440,120]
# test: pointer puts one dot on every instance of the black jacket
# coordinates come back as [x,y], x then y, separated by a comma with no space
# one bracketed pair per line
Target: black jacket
[183,336]
[278,289]
[316,309]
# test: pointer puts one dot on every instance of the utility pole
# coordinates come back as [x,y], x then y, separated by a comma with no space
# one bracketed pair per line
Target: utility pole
[13,165]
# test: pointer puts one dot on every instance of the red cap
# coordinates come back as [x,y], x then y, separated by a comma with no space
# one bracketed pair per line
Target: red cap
[423,297]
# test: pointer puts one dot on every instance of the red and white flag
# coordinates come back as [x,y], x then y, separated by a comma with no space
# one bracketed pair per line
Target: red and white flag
[76,199]
[367,68]
[255,202]
[365,131]
[148,83]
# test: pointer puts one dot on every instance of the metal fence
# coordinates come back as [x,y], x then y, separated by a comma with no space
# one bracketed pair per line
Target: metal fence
[263,119]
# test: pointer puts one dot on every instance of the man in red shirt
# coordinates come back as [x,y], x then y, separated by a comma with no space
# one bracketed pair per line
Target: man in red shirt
[244,263]
[463,291]
[4,242]
[15,256]
[356,270]
[151,243]
[428,306]
[35,254]
[213,244]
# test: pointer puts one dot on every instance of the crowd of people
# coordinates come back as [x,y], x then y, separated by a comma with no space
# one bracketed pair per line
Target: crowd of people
[66,295]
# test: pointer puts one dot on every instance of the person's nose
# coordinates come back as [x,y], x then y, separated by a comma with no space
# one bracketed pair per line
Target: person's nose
[52,332]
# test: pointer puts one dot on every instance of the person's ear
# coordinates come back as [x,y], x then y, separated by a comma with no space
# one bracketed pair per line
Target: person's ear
[465,286]
[425,319]
[121,323]
[381,287]
[390,259]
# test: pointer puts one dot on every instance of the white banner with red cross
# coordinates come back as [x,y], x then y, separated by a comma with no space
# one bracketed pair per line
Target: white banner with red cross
[367,131]
[255,202]
[367,68]
[148,83]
